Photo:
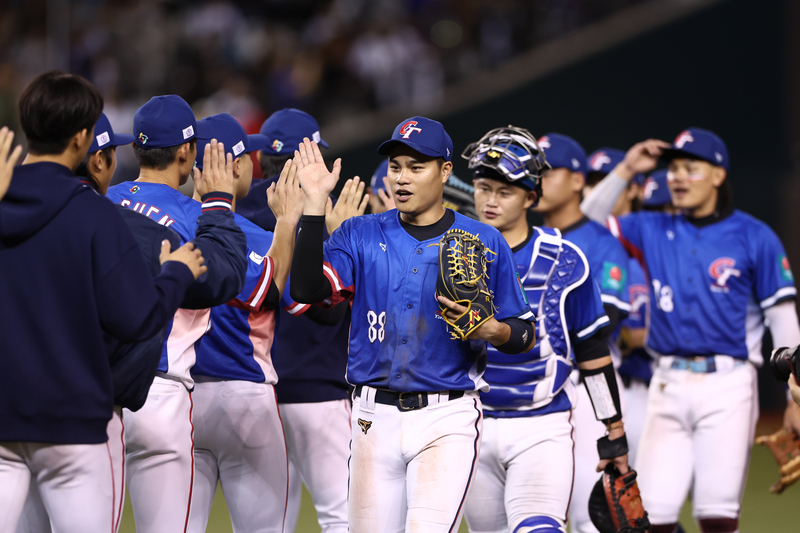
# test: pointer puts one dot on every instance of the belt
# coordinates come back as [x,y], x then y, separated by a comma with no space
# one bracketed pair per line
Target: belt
[701,364]
[407,401]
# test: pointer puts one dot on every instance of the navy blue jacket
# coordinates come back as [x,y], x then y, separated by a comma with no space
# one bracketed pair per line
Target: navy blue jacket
[224,247]
[70,270]
[310,359]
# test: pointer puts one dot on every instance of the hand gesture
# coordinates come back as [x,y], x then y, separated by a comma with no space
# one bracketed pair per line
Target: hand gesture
[488,331]
[285,197]
[348,205]
[217,172]
[186,254]
[316,181]
[642,157]
[7,162]
[385,196]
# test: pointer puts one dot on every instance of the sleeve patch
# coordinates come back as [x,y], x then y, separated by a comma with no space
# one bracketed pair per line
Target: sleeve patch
[521,288]
[786,270]
[613,276]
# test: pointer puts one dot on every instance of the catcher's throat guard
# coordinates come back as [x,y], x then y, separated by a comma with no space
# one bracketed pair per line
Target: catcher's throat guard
[615,505]
[462,279]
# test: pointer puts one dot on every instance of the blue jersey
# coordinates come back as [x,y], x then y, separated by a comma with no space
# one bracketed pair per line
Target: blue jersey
[607,259]
[638,363]
[398,338]
[239,342]
[558,285]
[708,281]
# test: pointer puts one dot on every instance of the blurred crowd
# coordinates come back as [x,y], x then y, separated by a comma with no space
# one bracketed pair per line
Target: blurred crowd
[329,57]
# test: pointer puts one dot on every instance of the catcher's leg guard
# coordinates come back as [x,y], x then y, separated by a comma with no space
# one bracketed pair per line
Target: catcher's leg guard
[541,524]
[719,525]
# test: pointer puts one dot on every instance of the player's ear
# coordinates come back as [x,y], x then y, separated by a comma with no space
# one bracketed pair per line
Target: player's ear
[530,199]
[237,167]
[578,181]
[447,168]
[718,175]
[97,161]
[79,140]
[183,153]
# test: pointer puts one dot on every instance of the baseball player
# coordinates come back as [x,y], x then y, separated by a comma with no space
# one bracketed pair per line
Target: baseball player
[239,438]
[526,468]
[310,352]
[8,158]
[56,395]
[159,436]
[416,413]
[560,206]
[716,275]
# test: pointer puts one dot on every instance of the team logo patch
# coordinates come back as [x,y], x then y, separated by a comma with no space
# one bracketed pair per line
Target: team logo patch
[721,270]
[598,160]
[383,246]
[650,186]
[474,314]
[683,137]
[613,276]
[277,145]
[135,189]
[187,132]
[638,297]
[143,138]
[524,294]
[364,425]
[238,148]
[786,270]
[255,258]
[103,139]
[544,142]
[408,128]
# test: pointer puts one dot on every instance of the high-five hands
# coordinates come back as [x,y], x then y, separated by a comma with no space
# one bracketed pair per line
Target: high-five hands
[316,181]
[217,174]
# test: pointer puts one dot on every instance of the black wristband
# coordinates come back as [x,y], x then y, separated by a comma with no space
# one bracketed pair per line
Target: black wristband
[521,335]
[611,449]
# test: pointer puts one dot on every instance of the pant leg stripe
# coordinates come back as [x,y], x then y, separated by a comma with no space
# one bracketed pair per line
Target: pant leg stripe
[455,525]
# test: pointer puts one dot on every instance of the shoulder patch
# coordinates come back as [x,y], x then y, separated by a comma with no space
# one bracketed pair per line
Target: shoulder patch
[786,270]
[613,276]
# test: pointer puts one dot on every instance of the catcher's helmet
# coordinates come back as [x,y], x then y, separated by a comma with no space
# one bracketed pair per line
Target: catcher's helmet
[511,154]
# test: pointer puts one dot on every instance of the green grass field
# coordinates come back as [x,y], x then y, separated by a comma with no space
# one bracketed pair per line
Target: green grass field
[762,512]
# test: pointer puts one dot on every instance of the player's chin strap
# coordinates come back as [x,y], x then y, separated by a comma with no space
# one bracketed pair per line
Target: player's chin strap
[540,524]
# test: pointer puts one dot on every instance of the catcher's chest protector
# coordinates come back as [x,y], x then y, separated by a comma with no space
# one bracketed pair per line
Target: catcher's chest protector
[554,270]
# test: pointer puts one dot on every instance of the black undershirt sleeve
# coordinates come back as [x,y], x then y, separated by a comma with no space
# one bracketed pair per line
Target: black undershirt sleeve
[614,317]
[308,283]
[592,348]
[273,297]
[327,317]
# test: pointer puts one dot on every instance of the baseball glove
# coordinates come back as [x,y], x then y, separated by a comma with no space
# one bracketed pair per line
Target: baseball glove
[462,279]
[785,446]
[615,505]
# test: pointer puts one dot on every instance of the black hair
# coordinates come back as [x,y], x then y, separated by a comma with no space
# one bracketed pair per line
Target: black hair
[272,165]
[157,158]
[83,168]
[725,196]
[54,107]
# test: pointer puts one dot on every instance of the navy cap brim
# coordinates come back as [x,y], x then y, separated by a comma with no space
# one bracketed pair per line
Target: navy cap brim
[387,146]
[257,142]
[668,154]
[323,143]
[121,139]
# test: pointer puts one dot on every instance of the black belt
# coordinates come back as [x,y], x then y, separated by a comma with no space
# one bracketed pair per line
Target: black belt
[407,401]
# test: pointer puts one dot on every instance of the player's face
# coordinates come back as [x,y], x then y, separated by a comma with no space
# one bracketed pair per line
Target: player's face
[560,186]
[107,171]
[693,185]
[416,181]
[501,205]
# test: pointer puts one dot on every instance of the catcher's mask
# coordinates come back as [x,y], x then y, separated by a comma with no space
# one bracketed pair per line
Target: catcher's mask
[509,153]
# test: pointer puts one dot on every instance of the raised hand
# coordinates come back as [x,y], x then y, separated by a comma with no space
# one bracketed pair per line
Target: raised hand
[385,196]
[285,197]
[316,181]
[352,203]
[642,157]
[7,162]
[217,174]
[186,254]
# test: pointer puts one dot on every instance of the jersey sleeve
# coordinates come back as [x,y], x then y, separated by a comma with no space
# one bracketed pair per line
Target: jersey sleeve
[289,305]
[340,253]
[610,271]
[774,281]
[628,230]
[509,296]
[638,296]
[583,311]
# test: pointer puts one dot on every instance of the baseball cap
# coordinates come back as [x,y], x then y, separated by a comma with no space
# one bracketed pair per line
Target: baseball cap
[285,130]
[699,144]
[656,191]
[424,135]
[104,136]
[377,177]
[563,152]
[164,121]
[604,160]
[227,130]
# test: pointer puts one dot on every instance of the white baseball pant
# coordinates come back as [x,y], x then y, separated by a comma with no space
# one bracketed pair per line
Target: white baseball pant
[159,455]
[410,471]
[239,442]
[698,435]
[635,396]
[525,469]
[318,441]
[34,517]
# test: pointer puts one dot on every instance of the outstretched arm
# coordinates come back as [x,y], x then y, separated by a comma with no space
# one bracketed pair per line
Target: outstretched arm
[285,199]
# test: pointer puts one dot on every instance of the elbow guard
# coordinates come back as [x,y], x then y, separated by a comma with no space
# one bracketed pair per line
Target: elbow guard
[601,384]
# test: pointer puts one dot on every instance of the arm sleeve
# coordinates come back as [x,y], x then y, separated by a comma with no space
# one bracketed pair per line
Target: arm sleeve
[224,248]
[327,317]
[782,322]
[600,202]
[592,348]
[308,282]
[774,281]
